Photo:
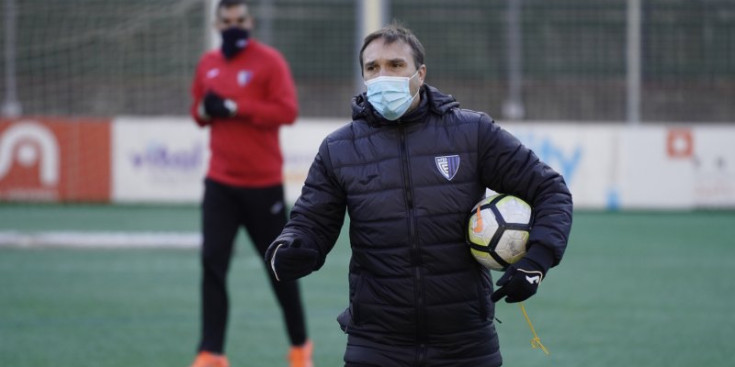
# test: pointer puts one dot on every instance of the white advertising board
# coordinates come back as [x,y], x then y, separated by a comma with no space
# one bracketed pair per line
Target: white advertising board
[655,172]
[616,166]
[583,155]
[713,164]
[166,159]
[607,166]
[300,143]
[158,160]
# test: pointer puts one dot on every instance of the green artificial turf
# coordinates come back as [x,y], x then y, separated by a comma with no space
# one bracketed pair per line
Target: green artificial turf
[634,289]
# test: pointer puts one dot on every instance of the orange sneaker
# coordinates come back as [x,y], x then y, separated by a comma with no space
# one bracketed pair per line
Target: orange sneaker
[301,356]
[209,359]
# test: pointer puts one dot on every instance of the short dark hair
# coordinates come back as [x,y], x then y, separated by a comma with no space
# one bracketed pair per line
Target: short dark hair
[231,3]
[392,33]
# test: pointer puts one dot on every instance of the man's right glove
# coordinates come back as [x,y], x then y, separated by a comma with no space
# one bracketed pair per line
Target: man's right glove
[288,260]
[216,106]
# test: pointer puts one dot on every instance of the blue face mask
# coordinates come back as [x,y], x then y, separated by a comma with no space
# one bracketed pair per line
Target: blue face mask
[390,95]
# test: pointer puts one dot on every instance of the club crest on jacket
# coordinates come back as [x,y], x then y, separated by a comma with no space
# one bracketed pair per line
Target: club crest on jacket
[447,165]
[243,77]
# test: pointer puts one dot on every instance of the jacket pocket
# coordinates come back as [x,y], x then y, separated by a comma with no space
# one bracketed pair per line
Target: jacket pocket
[349,317]
[345,320]
[484,293]
[355,300]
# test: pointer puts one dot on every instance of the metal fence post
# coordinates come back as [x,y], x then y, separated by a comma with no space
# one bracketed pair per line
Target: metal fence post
[513,106]
[633,63]
[11,106]
[370,15]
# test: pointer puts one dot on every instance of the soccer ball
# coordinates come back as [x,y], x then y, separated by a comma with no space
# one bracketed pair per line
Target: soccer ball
[498,230]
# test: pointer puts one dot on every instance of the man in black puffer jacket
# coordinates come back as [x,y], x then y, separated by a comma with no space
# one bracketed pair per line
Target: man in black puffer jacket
[407,170]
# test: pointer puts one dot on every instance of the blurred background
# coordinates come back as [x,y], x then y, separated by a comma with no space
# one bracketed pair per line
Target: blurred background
[556,60]
[633,101]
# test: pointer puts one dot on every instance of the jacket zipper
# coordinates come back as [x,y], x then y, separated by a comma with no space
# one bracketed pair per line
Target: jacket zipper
[415,255]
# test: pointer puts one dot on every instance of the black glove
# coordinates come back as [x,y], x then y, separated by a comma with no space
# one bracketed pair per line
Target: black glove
[288,260]
[519,282]
[216,106]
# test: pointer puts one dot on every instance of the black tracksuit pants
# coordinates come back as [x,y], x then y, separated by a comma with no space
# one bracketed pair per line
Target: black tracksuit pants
[262,212]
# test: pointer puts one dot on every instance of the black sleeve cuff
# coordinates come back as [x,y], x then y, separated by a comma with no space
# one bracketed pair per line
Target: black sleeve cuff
[542,256]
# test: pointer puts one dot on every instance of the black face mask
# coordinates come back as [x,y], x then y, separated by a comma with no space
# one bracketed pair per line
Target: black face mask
[234,40]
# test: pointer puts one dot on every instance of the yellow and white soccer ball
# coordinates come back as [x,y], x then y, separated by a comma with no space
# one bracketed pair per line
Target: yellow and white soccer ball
[498,229]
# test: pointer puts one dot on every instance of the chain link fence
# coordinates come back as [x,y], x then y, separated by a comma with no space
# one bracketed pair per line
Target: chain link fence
[137,57]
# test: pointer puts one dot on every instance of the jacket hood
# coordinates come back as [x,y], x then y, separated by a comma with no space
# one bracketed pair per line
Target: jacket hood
[432,101]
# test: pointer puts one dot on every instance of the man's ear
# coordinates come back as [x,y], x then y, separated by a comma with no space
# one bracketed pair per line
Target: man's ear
[422,74]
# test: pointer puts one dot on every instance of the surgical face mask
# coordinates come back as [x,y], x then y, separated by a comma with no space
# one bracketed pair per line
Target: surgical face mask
[390,95]
[234,40]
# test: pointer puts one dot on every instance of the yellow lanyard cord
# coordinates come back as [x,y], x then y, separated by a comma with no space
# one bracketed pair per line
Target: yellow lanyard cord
[536,341]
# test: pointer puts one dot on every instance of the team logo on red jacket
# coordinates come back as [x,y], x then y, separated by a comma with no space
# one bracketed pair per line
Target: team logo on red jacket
[243,77]
[448,165]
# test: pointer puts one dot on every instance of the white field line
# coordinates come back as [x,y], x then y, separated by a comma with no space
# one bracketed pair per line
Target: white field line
[86,239]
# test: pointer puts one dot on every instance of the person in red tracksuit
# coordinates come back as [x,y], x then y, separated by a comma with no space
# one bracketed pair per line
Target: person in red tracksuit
[243,92]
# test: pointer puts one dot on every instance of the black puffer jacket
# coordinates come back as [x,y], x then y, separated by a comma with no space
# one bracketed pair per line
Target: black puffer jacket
[412,279]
